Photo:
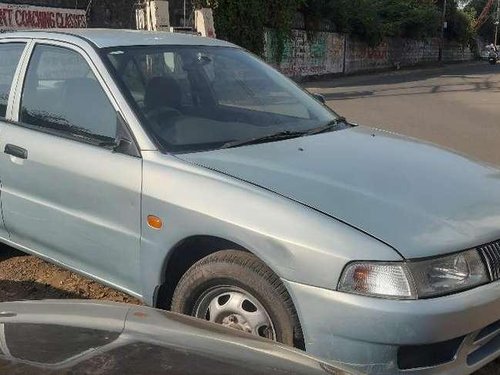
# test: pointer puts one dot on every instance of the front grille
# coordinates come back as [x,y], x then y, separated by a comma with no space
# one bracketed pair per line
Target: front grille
[491,255]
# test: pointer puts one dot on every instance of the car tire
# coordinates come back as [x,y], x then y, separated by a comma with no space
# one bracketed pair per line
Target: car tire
[237,275]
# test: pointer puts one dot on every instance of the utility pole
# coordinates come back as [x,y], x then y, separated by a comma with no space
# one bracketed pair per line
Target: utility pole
[184,21]
[497,21]
[443,27]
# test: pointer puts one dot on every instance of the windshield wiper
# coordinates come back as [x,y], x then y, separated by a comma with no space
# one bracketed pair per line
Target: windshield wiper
[286,134]
[332,125]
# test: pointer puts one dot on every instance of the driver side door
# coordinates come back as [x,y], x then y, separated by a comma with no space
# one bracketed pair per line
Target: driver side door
[67,195]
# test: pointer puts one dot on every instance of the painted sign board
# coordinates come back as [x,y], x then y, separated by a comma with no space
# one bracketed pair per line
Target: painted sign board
[18,17]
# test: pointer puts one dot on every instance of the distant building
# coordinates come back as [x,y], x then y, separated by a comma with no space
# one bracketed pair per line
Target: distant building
[177,12]
[116,13]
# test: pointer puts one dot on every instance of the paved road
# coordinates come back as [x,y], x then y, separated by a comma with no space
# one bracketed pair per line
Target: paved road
[457,106]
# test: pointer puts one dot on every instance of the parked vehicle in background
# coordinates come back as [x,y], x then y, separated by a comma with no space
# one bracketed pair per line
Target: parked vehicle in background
[190,174]
[81,337]
[492,58]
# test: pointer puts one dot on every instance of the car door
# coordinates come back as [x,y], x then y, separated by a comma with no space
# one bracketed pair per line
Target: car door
[68,194]
[10,56]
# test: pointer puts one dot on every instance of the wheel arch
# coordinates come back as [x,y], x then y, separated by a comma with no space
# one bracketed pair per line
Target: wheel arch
[182,256]
[186,253]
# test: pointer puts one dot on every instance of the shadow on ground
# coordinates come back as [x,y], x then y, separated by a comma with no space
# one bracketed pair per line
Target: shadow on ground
[473,85]
[465,71]
[15,290]
[7,252]
[31,290]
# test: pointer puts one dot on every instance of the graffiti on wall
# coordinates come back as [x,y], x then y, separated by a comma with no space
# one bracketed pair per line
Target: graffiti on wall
[305,55]
[360,56]
[329,53]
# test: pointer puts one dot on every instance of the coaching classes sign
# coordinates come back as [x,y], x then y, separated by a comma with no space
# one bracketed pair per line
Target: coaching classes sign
[15,17]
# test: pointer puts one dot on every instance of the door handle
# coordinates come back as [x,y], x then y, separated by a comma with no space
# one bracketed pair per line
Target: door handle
[16,151]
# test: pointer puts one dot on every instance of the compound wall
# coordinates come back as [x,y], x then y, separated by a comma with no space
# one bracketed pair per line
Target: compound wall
[312,54]
[306,55]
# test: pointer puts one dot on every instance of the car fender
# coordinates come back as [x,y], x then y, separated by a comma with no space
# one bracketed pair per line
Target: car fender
[298,243]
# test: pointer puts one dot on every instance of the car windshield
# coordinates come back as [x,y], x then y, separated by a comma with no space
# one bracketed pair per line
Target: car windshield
[195,98]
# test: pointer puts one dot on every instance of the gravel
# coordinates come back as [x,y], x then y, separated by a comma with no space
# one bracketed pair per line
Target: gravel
[26,277]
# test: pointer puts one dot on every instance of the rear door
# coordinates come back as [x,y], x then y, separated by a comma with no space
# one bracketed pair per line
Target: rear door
[67,195]
[10,57]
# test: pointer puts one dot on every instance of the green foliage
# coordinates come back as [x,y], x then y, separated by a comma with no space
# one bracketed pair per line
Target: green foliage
[280,17]
[372,20]
[244,22]
[460,26]
[357,17]
[409,18]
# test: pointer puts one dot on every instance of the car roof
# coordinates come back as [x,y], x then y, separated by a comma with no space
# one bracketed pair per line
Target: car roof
[104,38]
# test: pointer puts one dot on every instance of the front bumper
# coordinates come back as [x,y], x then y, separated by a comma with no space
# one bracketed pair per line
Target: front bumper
[367,333]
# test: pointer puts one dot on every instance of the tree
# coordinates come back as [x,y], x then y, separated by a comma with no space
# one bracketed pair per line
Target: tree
[356,17]
[409,18]
[243,22]
[460,26]
[372,20]
[487,30]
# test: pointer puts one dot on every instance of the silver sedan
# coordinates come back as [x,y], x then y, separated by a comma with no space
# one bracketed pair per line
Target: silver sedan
[190,174]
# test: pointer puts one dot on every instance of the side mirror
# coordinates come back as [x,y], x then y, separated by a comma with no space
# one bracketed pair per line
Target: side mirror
[123,146]
[320,98]
[124,139]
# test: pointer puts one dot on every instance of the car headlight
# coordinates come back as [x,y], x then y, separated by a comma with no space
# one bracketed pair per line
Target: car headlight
[415,279]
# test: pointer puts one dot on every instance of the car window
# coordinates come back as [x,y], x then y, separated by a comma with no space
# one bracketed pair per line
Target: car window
[138,71]
[240,85]
[62,93]
[194,98]
[10,54]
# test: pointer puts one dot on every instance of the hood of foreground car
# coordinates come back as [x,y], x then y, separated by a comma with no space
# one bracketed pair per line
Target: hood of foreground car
[96,337]
[418,198]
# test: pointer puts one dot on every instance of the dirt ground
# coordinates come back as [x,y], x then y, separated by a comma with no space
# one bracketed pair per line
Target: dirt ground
[27,277]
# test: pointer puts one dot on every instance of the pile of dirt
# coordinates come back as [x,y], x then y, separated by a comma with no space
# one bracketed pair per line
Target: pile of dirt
[27,277]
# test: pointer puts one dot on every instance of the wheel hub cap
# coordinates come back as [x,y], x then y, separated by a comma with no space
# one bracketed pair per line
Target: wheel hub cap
[235,308]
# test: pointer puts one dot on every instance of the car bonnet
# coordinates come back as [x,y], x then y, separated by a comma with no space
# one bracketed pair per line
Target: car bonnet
[420,199]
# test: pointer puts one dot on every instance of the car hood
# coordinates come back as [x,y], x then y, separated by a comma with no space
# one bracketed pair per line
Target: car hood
[418,198]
